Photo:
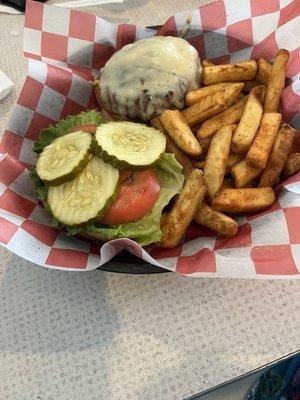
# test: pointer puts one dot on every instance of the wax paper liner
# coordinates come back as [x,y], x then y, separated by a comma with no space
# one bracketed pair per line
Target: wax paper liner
[65,49]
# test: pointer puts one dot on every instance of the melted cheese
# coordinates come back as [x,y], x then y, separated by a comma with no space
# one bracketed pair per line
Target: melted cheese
[146,77]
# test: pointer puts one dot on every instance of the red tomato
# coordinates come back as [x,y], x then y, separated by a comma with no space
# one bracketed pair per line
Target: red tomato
[138,194]
[91,128]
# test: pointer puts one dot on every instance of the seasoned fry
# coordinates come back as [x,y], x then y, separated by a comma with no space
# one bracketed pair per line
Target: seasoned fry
[180,156]
[232,160]
[198,112]
[171,147]
[182,213]
[278,156]
[215,164]
[216,221]
[244,174]
[207,63]
[209,106]
[264,71]
[230,116]
[292,165]
[163,219]
[276,81]
[226,87]
[249,123]
[261,147]
[243,200]
[242,71]
[177,128]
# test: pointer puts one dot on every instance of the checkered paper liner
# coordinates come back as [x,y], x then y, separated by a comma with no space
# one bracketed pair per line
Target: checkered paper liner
[65,49]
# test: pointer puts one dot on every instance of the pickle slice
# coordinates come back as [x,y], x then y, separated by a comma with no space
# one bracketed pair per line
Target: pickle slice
[129,145]
[86,197]
[64,158]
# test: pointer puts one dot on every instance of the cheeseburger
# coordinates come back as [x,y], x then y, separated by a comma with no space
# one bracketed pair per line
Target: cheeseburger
[149,76]
[111,179]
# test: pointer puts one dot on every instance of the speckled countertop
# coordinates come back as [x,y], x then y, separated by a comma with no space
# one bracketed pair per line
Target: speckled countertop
[98,335]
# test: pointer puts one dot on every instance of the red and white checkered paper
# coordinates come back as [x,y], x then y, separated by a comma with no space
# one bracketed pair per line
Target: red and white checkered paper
[65,49]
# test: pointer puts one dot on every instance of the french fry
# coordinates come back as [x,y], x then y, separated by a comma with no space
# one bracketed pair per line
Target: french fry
[239,201]
[207,63]
[180,156]
[177,128]
[278,156]
[216,221]
[276,81]
[208,107]
[242,71]
[183,211]
[163,218]
[264,69]
[292,165]
[261,147]
[227,88]
[232,159]
[249,123]
[244,174]
[215,163]
[171,147]
[230,116]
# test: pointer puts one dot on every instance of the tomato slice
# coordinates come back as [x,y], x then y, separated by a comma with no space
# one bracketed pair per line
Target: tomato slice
[138,194]
[91,128]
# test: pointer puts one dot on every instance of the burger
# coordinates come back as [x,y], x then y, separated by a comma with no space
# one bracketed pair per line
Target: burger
[105,180]
[149,76]
[113,179]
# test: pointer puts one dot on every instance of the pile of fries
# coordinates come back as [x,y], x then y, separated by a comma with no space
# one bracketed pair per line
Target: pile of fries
[232,145]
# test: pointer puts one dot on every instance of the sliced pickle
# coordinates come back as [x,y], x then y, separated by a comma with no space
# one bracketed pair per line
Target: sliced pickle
[64,158]
[129,145]
[87,197]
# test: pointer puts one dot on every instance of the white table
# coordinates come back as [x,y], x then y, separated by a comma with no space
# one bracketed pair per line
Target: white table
[98,335]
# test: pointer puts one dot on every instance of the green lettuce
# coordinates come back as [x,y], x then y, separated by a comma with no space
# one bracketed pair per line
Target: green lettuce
[144,231]
[147,230]
[63,126]
[40,187]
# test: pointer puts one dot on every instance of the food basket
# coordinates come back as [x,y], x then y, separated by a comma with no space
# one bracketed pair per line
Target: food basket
[65,51]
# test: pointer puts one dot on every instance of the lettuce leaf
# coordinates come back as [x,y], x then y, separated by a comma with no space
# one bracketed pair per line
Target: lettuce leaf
[63,126]
[39,185]
[84,118]
[147,230]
